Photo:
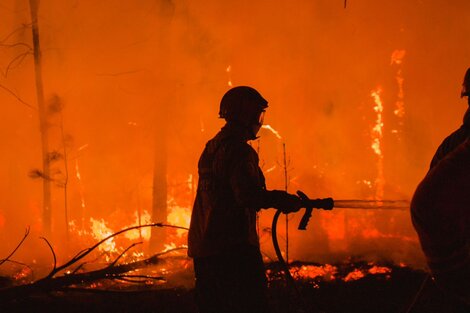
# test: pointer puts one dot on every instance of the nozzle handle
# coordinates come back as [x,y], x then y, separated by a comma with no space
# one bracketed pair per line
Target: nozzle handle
[309,204]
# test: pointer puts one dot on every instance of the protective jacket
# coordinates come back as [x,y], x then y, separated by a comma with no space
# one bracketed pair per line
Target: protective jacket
[440,211]
[453,140]
[231,189]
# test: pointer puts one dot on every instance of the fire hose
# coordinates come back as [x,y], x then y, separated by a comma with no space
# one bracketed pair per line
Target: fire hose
[325,204]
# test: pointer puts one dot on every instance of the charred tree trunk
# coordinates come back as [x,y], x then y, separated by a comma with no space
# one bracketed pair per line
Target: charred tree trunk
[159,203]
[44,127]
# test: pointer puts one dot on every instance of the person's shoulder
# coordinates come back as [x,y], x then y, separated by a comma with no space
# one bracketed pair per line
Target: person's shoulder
[240,150]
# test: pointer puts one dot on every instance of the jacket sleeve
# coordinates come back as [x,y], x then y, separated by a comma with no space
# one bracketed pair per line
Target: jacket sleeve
[248,186]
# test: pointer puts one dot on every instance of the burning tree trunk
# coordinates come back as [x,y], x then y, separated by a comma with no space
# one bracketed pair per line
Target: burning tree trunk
[46,212]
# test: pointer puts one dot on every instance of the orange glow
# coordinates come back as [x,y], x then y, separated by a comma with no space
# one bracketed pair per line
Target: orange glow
[140,80]
[336,228]
[374,233]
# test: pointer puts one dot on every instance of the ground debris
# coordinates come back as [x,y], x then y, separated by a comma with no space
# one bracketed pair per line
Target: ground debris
[385,291]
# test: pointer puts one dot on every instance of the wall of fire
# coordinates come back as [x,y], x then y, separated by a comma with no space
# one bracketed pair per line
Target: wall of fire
[361,96]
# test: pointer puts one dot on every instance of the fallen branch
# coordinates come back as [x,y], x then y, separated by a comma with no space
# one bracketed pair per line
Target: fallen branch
[85,252]
[51,282]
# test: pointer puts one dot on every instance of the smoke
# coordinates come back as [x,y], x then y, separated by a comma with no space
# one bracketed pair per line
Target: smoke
[133,74]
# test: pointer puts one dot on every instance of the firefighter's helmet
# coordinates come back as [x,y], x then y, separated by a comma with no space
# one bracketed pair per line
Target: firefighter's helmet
[244,105]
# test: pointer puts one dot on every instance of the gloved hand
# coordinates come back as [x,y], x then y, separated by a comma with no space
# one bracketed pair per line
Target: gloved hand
[284,201]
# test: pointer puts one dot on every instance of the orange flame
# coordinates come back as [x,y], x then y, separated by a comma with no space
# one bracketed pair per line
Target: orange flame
[377,134]
[99,231]
[397,59]
[143,233]
[178,215]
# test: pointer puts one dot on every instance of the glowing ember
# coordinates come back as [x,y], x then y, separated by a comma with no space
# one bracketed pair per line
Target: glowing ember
[377,134]
[272,130]
[354,275]
[228,70]
[357,274]
[397,57]
[326,271]
[23,273]
[379,270]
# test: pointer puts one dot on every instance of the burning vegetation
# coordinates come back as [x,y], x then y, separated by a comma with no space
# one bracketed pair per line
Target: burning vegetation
[106,109]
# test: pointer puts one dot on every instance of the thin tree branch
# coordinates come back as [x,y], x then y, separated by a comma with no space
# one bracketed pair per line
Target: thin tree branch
[127,249]
[142,276]
[17,44]
[14,31]
[138,279]
[19,57]
[19,245]
[89,250]
[53,254]
[17,98]
[59,283]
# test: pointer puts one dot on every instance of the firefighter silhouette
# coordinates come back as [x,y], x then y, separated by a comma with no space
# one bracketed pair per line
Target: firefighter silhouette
[231,188]
[440,210]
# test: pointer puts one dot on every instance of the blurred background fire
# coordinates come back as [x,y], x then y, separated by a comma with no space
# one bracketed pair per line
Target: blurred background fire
[360,97]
